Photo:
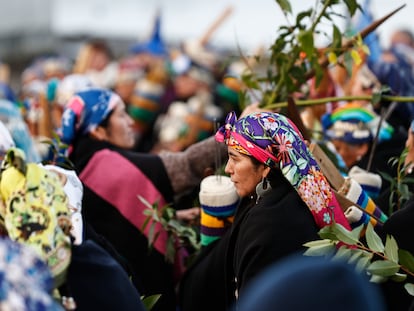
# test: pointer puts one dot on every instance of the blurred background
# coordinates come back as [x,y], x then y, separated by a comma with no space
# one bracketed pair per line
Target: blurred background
[29,26]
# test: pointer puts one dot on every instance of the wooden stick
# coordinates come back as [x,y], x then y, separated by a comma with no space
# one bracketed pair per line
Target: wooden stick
[216,24]
[335,179]
[348,44]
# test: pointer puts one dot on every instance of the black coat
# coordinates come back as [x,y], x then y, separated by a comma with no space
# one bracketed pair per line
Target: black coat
[263,233]
[401,226]
[380,165]
[151,273]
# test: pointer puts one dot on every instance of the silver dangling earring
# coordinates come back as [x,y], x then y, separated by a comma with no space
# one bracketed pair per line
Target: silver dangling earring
[262,188]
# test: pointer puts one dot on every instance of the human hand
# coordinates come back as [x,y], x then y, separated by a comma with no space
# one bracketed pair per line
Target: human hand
[253,108]
[189,215]
[353,214]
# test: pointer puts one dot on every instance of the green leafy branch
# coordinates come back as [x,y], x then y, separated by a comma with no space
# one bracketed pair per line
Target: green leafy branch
[399,185]
[380,261]
[150,301]
[374,99]
[294,58]
[56,147]
[179,235]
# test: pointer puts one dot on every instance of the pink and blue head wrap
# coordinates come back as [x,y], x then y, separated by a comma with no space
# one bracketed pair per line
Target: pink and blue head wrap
[85,111]
[274,140]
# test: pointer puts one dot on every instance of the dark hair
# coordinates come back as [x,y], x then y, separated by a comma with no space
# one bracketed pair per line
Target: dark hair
[274,175]
[105,122]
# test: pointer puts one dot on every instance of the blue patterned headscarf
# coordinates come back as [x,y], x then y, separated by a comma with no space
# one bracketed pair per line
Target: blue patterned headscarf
[85,111]
[274,140]
[25,280]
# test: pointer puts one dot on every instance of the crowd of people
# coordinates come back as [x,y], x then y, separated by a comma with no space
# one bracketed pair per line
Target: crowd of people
[89,144]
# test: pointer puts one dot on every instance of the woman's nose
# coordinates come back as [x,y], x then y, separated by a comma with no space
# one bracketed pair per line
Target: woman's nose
[227,168]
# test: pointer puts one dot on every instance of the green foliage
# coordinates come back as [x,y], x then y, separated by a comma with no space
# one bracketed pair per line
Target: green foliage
[150,301]
[380,261]
[56,147]
[179,235]
[294,58]
[399,185]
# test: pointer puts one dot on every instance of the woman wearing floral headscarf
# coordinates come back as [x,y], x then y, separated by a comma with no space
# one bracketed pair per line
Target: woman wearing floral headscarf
[99,132]
[285,201]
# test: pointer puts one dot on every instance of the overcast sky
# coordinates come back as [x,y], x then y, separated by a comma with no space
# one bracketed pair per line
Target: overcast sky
[252,22]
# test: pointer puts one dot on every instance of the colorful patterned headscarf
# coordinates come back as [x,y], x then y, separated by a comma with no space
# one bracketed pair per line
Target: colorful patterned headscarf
[275,141]
[354,124]
[85,111]
[25,279]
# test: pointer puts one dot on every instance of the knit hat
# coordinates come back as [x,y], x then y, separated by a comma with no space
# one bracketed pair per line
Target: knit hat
[85,111]
[274,140]
[370,182]
[218,200]
[145,103]
[354,124]
[353,191]
[300,282]
[155,45]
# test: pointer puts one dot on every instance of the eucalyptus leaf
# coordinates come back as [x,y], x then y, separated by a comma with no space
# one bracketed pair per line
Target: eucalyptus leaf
[145,223]
[145,202]
[303,15]
[337,37]
[150,301]
[321,250]
[373,240]
[327,234]
[383,268]
[391,249]
[406,259]
[343,253]
[344,234]
[285,5]
[363,262]
[409,287]
[323,242]
[356,232]
[377,279]
[356,254]
[352,6]
[399,277]
[306,42]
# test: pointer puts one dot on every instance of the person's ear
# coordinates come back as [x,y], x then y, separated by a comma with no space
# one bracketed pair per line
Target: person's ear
[98,133]
[361,151]
[266,171]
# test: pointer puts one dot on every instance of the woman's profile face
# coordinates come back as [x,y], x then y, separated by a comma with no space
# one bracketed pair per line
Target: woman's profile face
[349,153]
[119,131]
[244,174]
